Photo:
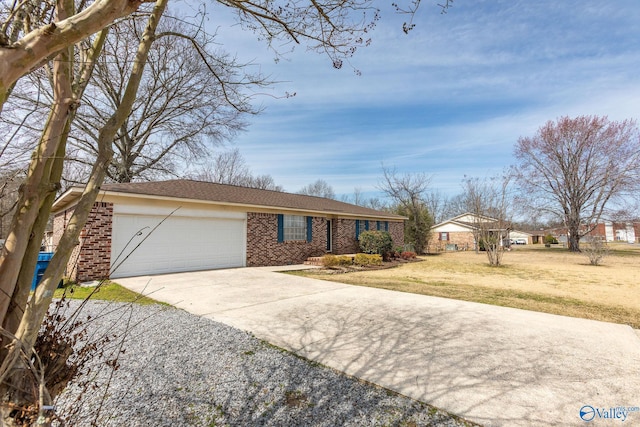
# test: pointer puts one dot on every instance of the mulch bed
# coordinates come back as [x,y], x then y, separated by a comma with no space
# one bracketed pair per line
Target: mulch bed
[352,268]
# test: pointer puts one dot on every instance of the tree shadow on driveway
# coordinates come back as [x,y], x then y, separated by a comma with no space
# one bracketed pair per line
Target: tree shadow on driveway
[492,365]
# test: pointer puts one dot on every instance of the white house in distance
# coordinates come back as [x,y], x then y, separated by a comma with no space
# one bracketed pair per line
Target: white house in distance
[458,233]
[520,237]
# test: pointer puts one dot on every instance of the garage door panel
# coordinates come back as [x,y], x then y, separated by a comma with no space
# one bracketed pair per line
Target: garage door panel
[177,244]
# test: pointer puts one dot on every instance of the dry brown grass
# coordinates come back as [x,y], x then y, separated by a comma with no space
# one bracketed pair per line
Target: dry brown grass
[550,280]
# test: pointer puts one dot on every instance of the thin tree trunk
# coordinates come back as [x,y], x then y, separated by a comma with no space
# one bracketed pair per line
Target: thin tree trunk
[23,287]
[35,190]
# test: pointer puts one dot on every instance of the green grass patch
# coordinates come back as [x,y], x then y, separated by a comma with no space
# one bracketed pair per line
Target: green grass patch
[107,291]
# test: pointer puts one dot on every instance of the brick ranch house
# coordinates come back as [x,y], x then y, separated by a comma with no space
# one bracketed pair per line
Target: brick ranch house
[184,225]
[459,233]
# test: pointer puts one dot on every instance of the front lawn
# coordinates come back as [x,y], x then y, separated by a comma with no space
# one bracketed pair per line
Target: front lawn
[107,291]
[550,280]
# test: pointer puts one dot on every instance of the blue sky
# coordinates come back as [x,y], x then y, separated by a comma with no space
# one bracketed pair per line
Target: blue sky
[450,99]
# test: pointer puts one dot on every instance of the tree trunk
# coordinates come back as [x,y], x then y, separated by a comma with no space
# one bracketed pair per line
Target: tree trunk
[573,240]
[33,192]
[23,287]
[573,233]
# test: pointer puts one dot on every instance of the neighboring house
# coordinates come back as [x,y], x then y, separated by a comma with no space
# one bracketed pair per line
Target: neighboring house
[618,231]
[622,231]
[459,233]
[184,225]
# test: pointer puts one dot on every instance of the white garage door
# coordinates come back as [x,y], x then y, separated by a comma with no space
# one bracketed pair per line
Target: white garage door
[178,244]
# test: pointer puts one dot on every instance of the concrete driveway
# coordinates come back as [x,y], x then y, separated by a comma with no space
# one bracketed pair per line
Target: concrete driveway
[493,365]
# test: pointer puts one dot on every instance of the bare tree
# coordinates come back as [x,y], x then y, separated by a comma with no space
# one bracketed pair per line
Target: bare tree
[577,167]
[488,202]
[455,206]
[229,167]
[263,182]
[319,188]
[358,198]
[185,105]
[437,205]
[408,192]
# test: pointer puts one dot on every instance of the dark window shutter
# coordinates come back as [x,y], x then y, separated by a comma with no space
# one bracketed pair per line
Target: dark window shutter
[378,225]
[357,228]
[386,226]
[280,228]
[366,224]
[309,228]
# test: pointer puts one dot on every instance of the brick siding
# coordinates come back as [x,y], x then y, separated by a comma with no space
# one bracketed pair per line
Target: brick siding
[264,249]
[396,229]
[91,258]
[464,240]
[344,235]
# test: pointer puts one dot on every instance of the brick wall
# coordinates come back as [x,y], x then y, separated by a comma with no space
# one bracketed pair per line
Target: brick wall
[396,229]
[344,235]
[263,247]
[91,258]
[464,240]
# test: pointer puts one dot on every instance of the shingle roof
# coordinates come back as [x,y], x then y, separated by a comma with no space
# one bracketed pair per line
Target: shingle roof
[232,194]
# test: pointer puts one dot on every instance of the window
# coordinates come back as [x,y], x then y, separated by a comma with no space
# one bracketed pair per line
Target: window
[444,236]
[382,225]
[294,227]
[361,226]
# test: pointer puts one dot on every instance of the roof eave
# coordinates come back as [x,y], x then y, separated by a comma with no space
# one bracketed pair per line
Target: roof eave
[74,192]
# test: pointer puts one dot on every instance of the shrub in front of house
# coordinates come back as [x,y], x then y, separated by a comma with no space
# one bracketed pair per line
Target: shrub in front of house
[550,240]
[408,255]
[365,260]
[376,242]
[329,261]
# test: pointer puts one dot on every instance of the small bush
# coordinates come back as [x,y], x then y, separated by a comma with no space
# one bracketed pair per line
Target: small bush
[375,242]
[408,255]
[365,260]
[596,250]
[550,240]
[329,261]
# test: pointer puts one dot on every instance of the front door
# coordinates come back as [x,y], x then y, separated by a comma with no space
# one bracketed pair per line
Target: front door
[329,237]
